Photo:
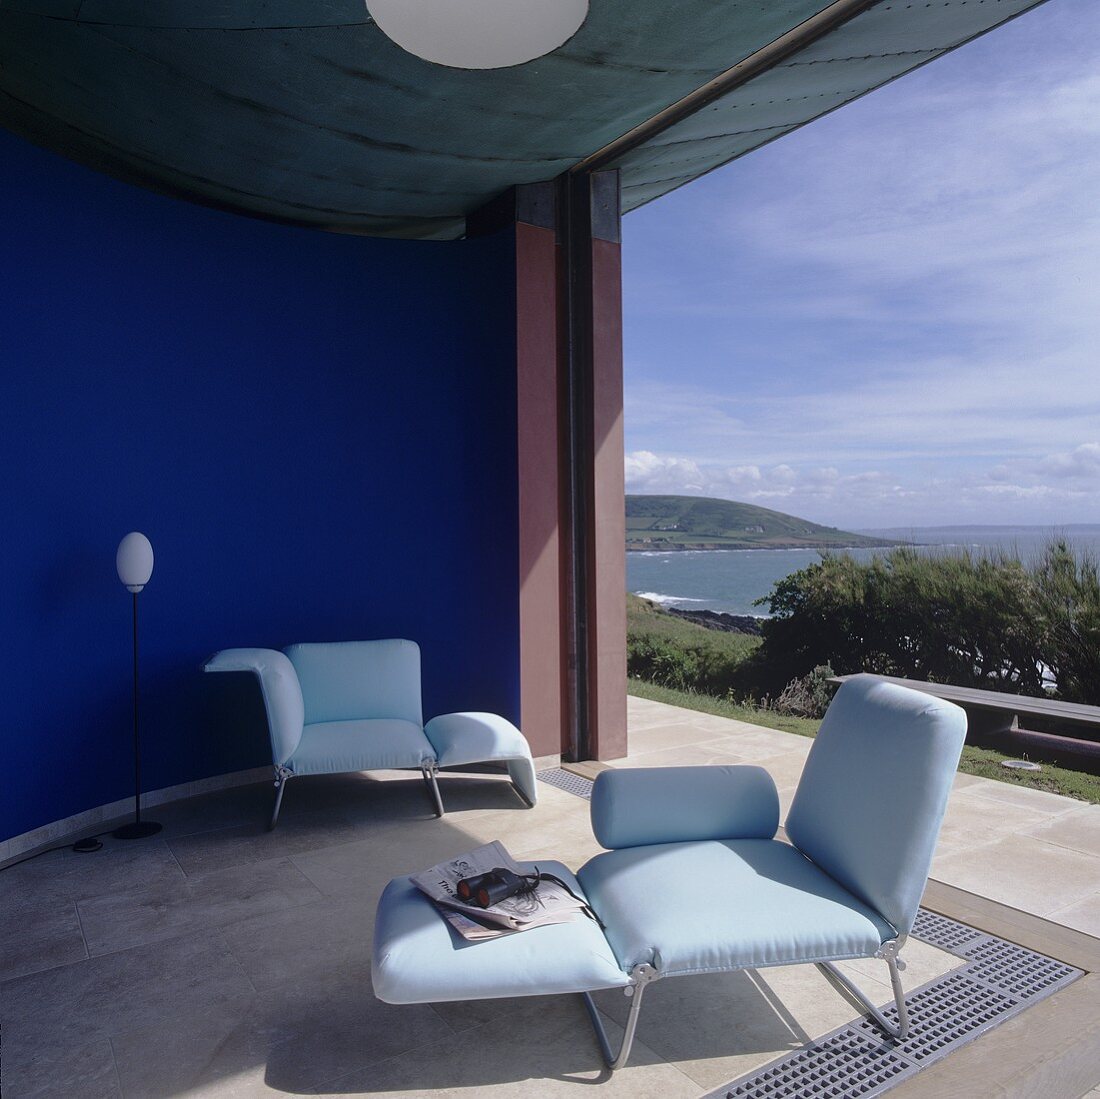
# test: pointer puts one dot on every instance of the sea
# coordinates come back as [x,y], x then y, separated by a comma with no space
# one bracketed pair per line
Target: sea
[732,580]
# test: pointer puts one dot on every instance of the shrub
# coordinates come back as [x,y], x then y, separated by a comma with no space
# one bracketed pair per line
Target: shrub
[974,620]
[808,696]
[673,653]
[661,661]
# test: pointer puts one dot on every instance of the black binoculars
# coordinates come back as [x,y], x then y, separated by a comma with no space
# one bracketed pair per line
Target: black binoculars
[493,887]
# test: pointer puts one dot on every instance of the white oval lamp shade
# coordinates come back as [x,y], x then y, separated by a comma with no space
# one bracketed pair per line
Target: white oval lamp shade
[479,34]
[134,561]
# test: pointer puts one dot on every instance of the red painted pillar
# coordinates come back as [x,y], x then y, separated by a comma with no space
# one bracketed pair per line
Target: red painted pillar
[595,547]
[537,439]
[607,520]
[569,406]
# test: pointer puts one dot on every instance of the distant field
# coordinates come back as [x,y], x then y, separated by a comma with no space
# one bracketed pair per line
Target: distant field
[700,522]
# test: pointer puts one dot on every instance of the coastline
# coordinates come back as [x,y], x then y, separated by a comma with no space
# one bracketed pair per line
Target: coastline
[719,547]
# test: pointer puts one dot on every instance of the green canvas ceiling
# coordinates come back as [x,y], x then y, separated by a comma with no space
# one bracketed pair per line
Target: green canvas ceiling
[304,111]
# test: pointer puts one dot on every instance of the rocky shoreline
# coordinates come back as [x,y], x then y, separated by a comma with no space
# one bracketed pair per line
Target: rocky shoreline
[719,620]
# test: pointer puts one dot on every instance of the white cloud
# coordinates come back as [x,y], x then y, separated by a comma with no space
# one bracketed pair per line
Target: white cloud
[1082,463]
[648,472]
[1060,488]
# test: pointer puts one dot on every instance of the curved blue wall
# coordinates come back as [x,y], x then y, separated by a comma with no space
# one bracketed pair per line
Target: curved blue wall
[316,432]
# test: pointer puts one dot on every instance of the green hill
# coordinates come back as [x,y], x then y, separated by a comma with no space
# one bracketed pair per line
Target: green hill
[701,522]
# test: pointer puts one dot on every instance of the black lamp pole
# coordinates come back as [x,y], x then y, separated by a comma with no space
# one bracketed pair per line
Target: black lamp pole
[137,828]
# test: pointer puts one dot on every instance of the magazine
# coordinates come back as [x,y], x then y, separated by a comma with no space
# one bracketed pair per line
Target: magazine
[548,903]
[471,929]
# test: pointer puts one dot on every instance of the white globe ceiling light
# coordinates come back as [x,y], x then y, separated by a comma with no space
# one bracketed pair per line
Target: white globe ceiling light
[479,34]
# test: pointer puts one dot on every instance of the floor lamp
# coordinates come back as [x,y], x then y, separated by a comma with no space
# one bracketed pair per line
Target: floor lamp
[135,565]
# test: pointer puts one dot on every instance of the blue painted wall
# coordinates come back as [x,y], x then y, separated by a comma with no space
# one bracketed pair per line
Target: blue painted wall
[316,432]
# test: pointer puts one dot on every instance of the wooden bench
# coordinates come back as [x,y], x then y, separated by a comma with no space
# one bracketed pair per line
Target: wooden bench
[993,720]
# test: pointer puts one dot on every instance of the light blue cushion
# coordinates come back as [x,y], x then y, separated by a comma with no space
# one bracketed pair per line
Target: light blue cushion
[348,680]
[713,906]
[483,738]
[417,958]
[636,806]
[281,693]
[874,790]
[331,747]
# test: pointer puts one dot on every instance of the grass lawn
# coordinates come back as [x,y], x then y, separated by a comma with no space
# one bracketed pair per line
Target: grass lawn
[690,700]
[975,761]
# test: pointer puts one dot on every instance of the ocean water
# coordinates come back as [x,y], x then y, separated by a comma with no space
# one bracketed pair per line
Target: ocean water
[730,580]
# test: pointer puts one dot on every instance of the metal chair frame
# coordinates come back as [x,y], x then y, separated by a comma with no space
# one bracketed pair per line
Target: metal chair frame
[643,975]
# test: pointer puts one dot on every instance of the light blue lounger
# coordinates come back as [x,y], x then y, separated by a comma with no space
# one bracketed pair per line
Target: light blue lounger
[695,880]
[355,706]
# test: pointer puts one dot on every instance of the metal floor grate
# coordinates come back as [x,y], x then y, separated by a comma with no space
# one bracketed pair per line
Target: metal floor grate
[944,1014]
[845,1064]
[567,781]
[1016,970]
[942,931]
[996,980]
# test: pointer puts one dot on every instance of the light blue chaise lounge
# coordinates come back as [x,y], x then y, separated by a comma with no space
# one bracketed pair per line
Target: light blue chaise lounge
[695,880]
[356,706]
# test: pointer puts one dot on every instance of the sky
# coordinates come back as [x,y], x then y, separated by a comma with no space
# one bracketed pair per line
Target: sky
[890,317]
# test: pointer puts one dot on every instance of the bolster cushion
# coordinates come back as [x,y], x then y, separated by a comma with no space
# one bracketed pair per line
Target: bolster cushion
[643,805]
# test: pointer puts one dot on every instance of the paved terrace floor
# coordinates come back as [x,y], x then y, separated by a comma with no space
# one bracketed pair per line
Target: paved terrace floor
[217,959]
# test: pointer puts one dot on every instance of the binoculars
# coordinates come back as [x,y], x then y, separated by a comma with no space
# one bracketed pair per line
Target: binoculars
[494,886]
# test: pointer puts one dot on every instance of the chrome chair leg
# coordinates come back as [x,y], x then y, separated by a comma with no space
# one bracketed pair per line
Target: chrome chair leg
[282,777]
[429,772]
[641,975]
[847,988]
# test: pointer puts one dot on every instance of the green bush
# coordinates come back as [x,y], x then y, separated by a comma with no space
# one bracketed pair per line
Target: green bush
[807,696]
[981,620]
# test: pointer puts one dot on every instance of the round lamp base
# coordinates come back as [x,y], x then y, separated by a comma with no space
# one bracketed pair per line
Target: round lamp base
[136,830]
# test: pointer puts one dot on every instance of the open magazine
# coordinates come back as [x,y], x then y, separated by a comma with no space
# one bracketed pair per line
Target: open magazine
[548,903]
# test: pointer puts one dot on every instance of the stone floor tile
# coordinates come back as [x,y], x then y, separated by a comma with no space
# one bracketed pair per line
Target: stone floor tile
[1078,830]
[974,821]
[86,1072]
[38,935]
[288,1038]
[544,1048]
[961,780]
[643,713]
[1009,796]
[70,875]
[220,809]
[360,870]
[301,829]
[140,916]
[658,737]
[305,942]
[785,769]
[58,1011]
[923,963]
[1022,872]
[688,755]
[761,736]
[1083,915]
